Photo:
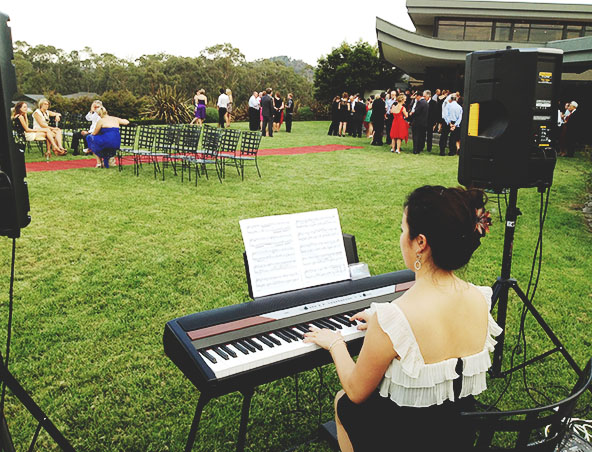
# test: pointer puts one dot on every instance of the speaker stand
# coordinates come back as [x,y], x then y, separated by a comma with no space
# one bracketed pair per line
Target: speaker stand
[500,297]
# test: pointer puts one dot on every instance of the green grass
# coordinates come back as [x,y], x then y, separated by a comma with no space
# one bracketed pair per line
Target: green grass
[109,258]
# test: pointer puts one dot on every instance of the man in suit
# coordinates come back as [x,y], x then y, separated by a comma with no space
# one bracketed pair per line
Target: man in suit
[420,122]
[377,118]
[359,115]
[434,113]
[267,109]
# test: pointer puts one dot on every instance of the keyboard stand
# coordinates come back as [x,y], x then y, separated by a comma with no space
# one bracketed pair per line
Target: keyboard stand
[204,398]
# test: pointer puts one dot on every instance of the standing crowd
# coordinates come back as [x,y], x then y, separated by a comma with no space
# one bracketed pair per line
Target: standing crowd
[394,112]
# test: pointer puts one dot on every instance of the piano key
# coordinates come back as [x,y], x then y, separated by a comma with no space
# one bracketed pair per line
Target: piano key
[318,324]
[240,348]
[283,336]
[302,328]
[220,353]
[208,356]
[296,333]
[247,345]
[274,339]
[255,344]
[333,322]
[327,324]
[341,320]
[290,334]
[228,350]
[266,341]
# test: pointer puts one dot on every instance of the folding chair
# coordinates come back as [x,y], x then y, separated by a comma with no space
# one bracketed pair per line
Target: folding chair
[228,147]
[207,154]
[165,147]
[144,147]
[187,149]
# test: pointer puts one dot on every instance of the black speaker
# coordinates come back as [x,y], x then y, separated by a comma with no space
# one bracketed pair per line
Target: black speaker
[14,196]
[509,126]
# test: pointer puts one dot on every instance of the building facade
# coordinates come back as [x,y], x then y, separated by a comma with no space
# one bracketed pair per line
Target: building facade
[446,30]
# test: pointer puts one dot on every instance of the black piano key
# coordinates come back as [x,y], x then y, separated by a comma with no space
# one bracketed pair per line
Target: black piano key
[254,344]
[318,324]
[302,328]
[247,346]
[283,336]
[208,356]
[334,323]
[228,350]
[326,324]
[274,339]
[240,348]
[341,320]
[290,334]
[266,341]
[296,333]
[220,353]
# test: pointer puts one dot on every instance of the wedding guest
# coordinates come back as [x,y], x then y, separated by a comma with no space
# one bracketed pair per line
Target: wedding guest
[228,115]
[93,118]
[201,101]
[289,111]
[41,122]
[344,109]
[222,106]
[106,138]
[400,128]
[278,105]
[334,126]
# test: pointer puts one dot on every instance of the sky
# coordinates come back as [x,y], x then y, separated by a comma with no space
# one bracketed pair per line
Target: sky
[301,29]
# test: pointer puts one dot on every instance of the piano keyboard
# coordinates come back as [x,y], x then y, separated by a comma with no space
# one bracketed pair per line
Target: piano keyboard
[262,340]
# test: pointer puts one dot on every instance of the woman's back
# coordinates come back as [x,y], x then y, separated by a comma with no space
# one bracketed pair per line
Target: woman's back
[447,322]
[110,122]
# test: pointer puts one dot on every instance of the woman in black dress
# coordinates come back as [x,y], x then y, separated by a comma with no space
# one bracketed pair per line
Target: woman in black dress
[334,127]
[278,104]
[344,109]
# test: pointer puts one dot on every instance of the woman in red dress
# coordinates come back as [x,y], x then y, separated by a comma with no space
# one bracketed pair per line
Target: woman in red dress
[400,128]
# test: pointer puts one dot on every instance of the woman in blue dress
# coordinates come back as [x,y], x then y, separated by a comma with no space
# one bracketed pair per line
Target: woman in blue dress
[106,139]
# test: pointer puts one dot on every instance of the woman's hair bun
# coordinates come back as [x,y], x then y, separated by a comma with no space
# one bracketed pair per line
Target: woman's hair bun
[448,219]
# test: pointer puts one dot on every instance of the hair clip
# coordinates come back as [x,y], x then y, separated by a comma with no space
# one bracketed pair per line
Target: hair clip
[483,221]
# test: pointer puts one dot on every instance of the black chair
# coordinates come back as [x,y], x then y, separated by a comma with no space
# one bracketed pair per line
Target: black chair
[128,142]
[249,147]
[208,152]
[144,148]
[165,147]
[187,149]
[535,429]
[228,147]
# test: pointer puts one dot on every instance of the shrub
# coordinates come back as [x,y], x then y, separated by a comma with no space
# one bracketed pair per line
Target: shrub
[169,106]
[240,113]
[211,115]
[304,114]
[121,103]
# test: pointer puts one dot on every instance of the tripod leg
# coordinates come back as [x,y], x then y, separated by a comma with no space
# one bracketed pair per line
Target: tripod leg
[6,444]
[547,329]
[201,403]
[242,431]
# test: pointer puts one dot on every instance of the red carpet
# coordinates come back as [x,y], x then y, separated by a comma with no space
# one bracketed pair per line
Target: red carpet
[55,165]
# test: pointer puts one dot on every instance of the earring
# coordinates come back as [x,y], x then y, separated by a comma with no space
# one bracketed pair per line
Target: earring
[417,263]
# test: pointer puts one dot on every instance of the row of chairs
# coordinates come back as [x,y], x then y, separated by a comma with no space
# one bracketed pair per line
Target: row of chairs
[187,147]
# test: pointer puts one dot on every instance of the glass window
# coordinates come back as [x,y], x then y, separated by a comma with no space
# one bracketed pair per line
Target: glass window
[573,31]
[502,31]
[521,32]
[451,31]
[545,32]
[478,31]
[588,31]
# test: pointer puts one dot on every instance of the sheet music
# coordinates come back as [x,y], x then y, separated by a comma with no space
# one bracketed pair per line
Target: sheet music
[289,252]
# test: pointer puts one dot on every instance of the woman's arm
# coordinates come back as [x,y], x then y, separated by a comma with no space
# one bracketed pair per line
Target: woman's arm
[405,113]
[358,379]
[122,122]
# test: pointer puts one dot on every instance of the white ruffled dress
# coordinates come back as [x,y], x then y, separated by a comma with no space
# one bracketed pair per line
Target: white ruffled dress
[413,383]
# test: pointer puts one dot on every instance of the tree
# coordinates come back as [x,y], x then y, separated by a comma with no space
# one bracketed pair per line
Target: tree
[353,69]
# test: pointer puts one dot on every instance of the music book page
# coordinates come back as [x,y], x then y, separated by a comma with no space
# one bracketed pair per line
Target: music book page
[289,252]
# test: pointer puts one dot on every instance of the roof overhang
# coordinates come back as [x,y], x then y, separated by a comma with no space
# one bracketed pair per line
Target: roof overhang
[424,12]
[414,53]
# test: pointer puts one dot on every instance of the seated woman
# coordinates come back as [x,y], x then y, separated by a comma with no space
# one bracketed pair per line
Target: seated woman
[106,138]
[403,393]
[21,125]
[41,122]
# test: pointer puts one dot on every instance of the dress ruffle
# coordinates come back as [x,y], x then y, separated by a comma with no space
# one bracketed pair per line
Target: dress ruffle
[409,381]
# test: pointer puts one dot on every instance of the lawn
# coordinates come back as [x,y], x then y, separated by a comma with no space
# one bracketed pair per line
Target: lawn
[109,258]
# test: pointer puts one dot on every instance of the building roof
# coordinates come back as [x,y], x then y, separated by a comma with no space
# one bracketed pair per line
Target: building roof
[423,12]
[414,52]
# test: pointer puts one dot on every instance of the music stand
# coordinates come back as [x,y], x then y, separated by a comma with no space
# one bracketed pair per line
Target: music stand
[500,295]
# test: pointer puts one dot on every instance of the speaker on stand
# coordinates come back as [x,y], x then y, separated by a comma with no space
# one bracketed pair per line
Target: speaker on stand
[507,143]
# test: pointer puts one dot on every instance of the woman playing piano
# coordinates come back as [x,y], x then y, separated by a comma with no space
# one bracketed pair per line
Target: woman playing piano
[404,393]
